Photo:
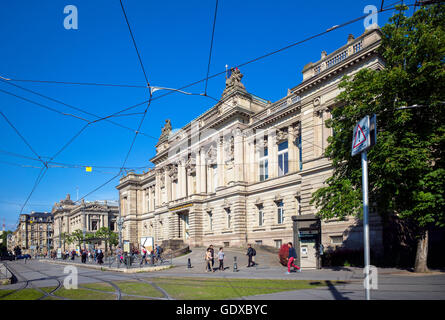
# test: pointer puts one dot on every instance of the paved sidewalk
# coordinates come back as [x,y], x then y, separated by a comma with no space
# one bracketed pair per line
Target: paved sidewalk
[392,283]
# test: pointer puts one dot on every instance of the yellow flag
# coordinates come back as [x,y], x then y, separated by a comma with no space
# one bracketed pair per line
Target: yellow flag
[88,169]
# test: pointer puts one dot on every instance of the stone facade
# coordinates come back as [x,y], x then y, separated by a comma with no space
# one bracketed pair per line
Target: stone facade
[237,173]
[34,233]
[86,216]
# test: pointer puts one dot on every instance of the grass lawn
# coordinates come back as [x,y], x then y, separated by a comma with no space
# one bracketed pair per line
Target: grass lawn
[138,288]
[84,294]
[98,286]
[51,298]
[48,289]
[217,289]
[134,298]
[25,294]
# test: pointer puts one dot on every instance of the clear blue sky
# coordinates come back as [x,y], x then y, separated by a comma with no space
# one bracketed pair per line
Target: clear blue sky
[173,38]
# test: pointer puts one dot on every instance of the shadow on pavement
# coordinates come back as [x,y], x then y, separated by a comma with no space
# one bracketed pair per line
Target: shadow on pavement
[335,293]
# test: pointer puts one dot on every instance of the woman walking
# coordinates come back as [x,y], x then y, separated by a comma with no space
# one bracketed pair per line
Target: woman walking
[208,259]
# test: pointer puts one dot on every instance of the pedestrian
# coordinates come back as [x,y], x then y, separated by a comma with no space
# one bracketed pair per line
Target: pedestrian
[213,255]
[100,256]
[144,256]
[208,259]
[250,253]
[291,259]
[84,256]
[89,255]
[221,259]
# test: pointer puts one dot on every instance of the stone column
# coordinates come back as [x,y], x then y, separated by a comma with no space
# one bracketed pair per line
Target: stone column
[250,160]
[292,149]
[220,161]
[273,153]
[168,185]
[182,179]
[239,155]
[203,168]
[198,171]
[158,189]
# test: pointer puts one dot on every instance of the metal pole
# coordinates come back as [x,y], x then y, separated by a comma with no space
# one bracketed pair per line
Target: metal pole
[365,220]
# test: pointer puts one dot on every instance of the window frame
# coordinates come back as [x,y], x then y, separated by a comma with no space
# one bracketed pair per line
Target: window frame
[280,212]
[284,154]
[264,165]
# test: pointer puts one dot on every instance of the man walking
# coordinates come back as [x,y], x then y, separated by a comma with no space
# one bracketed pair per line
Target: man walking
[291,258]
[221,259]
[250,253]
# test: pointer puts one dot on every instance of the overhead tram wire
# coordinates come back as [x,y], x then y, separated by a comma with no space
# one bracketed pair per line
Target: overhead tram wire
[75,83]
[23,138]
[265,55]
[147,82]
[386,8]
[246,63]
[99,118]
[70,165]
[211,47]
[143,117]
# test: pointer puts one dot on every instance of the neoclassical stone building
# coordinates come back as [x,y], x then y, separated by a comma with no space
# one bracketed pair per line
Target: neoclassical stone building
[86,216]
[241,170]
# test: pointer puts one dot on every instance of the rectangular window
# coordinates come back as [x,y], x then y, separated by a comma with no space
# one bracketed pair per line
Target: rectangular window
[259,242]
[260,216]
[278,243]
[264,166]
[228,218]
[280,212]
[94,225]
[210,220]
[283,159]
[336,239]
[215,177]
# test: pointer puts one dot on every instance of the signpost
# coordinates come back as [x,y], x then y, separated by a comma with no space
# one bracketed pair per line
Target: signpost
[364,137]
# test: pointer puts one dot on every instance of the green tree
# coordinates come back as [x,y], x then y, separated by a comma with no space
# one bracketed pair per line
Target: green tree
[406,166]
[109,236]
[3,244]
[66,239]
[77,235]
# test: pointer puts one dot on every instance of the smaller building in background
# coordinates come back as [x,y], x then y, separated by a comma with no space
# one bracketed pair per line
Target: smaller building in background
[34,233]
[87,217]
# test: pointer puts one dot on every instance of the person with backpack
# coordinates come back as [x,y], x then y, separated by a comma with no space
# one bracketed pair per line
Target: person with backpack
[291,259]
[250,253]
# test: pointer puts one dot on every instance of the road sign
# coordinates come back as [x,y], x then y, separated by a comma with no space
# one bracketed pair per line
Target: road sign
[364,135]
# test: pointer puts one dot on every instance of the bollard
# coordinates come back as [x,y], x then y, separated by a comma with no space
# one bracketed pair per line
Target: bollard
[189,264]
[235,265]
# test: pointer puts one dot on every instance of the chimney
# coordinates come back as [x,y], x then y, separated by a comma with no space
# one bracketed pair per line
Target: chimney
[350,38]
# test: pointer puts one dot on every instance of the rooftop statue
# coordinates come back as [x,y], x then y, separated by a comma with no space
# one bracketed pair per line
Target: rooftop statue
[166,130]
[234,81]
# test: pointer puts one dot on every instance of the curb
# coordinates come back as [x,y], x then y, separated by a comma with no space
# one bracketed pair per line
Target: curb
[103,268]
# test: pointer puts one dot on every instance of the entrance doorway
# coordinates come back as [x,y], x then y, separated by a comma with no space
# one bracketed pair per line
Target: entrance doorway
[184,226]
